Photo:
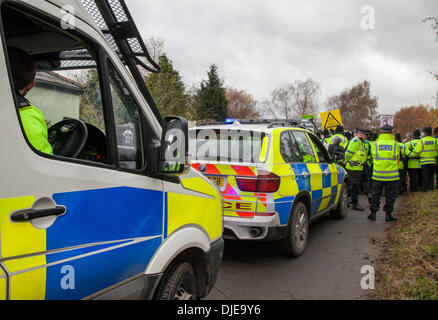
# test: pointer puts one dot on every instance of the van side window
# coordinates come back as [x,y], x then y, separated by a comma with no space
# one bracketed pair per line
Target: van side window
[127,123]
[60,104]
[288,148]
[304,146]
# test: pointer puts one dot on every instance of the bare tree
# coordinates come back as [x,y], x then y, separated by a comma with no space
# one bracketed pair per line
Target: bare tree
[306,97]
[155,47]
[433,22]
[358,108]
[241,105]
[293,100]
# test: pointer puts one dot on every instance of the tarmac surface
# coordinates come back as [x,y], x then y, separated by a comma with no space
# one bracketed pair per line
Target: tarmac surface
[329,269]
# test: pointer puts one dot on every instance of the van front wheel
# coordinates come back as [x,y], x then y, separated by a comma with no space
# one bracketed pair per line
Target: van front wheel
[178,284]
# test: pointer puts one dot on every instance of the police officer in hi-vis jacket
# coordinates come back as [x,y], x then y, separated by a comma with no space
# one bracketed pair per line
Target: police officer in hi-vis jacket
[23,71]
[386,157]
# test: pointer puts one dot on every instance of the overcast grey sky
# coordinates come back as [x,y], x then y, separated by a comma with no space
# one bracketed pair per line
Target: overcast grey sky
[259,45]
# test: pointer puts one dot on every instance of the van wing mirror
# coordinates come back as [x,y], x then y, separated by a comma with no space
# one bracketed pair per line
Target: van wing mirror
[174,146]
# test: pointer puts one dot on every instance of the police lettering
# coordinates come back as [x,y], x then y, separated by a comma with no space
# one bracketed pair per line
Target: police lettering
[429,143]
[238,206]
[385,148]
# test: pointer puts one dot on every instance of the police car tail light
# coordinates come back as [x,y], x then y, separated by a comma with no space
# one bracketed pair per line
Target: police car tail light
[265,182]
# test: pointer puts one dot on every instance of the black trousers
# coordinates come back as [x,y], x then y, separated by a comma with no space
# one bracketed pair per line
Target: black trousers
[366,177]
[390,194]
[428,176]
[402,186]
[354,180]
[415,181]
[436,172]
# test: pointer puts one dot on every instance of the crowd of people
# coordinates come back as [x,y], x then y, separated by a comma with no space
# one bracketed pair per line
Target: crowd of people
[384,164]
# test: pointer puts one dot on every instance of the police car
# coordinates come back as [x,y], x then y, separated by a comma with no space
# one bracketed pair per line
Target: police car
[108,214]
[275,176]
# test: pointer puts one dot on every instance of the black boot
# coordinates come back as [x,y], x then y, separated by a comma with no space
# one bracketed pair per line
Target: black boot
[372,216]
[390,218]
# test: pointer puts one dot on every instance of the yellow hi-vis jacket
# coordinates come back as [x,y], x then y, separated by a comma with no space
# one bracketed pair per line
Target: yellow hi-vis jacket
[386,158]
[34,126]
[427,150]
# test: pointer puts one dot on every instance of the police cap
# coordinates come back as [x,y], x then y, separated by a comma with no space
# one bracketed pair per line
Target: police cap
[387,128]
[360,130]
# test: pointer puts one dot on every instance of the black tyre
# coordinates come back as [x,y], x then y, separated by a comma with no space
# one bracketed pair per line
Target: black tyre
[341,210]
[179,283]
[298,230]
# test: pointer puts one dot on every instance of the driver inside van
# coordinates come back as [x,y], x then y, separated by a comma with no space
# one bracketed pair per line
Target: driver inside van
[23,73]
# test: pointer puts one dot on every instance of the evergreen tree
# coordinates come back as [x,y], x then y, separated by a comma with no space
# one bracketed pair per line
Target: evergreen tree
[168,89]
[90,107]
[211,102]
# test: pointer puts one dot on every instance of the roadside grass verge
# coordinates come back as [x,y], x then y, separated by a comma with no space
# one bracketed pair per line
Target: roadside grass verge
[408,268]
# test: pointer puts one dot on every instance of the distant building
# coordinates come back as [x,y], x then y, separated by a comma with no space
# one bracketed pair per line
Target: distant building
[56,96]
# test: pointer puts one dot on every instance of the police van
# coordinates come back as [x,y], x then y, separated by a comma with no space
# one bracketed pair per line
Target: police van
[111,208]
[276,178]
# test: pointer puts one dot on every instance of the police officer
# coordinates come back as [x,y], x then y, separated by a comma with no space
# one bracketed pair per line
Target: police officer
[355,158]
[340,133]
[427,150]
[23,73]
[386,156]
[326,135]
[435,133]
[366,177]
[414,166]
[402,186]
[336,152]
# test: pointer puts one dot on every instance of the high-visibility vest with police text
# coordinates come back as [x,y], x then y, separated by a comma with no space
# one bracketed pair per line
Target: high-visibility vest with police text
[427,150]
[386,157]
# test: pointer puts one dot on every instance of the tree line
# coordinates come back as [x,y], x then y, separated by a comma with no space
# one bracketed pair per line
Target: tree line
[212,100]
[413,117]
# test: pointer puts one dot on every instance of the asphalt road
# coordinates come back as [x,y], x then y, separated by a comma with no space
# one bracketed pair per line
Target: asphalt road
[329,269]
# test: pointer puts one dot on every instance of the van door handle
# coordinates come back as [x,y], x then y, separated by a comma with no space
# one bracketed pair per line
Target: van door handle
[30,214]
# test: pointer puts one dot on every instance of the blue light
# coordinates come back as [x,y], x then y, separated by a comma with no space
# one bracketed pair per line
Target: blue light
[229,121]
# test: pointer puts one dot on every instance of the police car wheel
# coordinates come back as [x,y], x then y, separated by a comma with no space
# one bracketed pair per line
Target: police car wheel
[298,229]
[179,283]
[341,210]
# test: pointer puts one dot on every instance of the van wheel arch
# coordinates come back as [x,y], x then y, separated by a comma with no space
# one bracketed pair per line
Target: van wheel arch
[197,259]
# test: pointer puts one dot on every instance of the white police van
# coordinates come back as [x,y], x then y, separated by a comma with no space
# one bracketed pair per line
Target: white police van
[108,215]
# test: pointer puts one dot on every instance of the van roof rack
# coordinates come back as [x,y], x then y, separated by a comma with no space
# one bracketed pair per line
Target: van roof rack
[115,21]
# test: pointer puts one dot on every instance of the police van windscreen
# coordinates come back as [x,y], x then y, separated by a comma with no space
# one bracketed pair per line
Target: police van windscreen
[224,145]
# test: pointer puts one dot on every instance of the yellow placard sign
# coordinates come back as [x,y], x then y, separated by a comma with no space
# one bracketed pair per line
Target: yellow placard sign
[331,119]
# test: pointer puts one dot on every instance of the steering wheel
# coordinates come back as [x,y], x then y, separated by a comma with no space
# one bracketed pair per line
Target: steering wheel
[68,138]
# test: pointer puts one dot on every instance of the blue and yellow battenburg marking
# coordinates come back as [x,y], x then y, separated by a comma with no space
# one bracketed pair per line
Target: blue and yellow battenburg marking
[323,188]
[106,236]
